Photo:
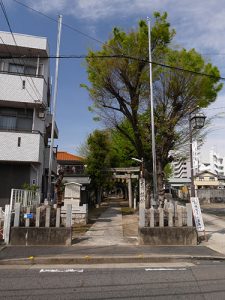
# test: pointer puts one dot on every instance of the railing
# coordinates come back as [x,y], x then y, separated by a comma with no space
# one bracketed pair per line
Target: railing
[2,218]
[25,197]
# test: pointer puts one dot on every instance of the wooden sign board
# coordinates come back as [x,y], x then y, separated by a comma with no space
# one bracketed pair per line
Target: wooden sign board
[197,214]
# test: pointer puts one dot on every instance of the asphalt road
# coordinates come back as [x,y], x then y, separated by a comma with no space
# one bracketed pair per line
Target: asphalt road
[203,280]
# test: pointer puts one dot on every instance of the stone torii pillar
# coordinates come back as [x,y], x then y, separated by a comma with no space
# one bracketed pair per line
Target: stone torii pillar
[129,190]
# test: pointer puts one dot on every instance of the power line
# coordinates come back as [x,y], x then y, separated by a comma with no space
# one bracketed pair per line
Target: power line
[35,90]
[17,69]
[81,32]
[64,24]
[118,57]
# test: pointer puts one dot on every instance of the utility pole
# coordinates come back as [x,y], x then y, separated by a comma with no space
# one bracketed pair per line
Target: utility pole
[155,189]
[54,108]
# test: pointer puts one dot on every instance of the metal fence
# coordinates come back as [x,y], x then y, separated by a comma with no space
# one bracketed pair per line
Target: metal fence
[2,217]
[25,197]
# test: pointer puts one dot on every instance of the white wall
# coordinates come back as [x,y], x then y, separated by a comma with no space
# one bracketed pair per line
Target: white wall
[12,90]
[27,41]
[30,150]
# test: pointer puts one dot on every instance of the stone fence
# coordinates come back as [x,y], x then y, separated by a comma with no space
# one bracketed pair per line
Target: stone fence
[169,216]
[211,195]
[43,225]
[171,225]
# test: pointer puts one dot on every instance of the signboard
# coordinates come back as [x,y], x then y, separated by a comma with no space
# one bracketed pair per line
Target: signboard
[28,216]
[72,190]
[197,214]
[142,202]
[142,190]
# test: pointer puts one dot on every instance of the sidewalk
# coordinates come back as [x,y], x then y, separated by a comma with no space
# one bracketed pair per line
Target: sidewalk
[106,231]
[104,243]
[215,231]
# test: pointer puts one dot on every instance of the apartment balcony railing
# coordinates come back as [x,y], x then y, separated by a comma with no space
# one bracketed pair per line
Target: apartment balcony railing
[21,146]
[20,88]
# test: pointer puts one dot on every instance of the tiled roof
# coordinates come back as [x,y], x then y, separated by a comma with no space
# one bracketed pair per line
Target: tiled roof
[61,155]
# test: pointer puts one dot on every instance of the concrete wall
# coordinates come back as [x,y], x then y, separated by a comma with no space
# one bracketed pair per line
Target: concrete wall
[30,150]
[40,236]
[18,93]
[211,195]
[24,40]
[168,236]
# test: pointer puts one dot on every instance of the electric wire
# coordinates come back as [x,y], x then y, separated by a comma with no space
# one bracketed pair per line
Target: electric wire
[83,33]
[103,43]
[64,24]
[34,88]
[17,70]
[120,57]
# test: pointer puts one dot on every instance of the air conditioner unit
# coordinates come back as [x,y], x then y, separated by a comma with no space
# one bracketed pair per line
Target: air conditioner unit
[41,114]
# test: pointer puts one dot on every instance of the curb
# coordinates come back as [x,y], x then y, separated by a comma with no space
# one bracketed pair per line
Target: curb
[82,260]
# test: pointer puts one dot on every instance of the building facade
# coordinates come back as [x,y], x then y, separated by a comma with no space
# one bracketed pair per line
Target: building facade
[73,168]
[25,118]
[215,165]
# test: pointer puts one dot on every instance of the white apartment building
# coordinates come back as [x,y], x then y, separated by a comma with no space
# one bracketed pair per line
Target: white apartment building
[181,168]
[215,165]
[181,165]
[25,119]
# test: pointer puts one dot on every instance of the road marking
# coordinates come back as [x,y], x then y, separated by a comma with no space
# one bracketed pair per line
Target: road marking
[165,269]
[61,271]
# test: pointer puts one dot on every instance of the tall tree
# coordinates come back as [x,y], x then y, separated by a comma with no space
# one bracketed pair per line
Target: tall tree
[120,88]
[98,159]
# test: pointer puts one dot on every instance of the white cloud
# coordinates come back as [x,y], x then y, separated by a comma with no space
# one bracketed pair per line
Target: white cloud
[198,22]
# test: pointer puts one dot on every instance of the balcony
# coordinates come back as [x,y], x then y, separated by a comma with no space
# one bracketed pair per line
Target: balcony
[16,88]
[21,147]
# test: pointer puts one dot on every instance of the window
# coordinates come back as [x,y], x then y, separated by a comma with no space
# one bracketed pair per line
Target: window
[15,68]
[16,119]
[8,122]
[30,70]
[25,69]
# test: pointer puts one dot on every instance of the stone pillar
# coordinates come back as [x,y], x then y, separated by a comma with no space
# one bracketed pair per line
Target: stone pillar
[129,190]
[142,202]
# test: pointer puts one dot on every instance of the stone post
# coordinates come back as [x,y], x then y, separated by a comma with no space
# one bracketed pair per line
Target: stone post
[142,202]
[129,190]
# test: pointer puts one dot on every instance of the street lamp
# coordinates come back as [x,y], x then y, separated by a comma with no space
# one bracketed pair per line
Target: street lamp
[142,164]
[196,121]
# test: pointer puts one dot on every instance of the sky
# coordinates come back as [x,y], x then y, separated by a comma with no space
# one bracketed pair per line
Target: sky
[199,24]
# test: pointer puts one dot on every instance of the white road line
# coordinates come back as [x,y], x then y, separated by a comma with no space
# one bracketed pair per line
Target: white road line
[61,271]
[165,269]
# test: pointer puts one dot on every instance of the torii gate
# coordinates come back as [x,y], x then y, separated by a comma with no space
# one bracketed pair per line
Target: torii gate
[126,174]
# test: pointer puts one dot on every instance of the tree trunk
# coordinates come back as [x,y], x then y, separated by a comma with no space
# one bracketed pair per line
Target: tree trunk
[99,196]
[160,183]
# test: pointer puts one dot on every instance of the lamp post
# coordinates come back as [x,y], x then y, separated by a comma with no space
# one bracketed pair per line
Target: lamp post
[196,121]
[142,165]
[154,170]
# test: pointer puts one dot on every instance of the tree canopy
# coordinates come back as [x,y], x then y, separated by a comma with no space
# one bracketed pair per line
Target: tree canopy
[119,87]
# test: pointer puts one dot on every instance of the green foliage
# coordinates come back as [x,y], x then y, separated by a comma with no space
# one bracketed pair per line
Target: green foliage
[98,159]
[119,88]
[27,186]
[168,171]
